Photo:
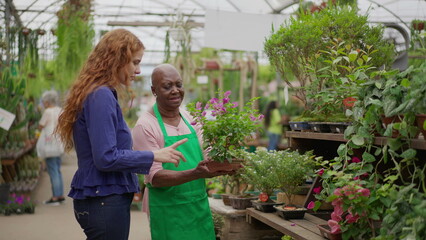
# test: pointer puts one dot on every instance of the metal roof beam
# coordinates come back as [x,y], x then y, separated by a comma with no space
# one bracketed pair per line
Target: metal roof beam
[151,24]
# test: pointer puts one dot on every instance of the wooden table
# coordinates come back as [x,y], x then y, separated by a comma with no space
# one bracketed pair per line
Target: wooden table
[303,229]
[237,228]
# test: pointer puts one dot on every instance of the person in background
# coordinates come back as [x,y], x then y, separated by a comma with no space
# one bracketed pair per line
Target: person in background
[92,122]
[47,124]
[273,125]
[175,197]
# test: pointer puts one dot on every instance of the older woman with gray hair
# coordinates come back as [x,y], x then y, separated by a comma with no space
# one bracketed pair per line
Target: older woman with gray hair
[50,147]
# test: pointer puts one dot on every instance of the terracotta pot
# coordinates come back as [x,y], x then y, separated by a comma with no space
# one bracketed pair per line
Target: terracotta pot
[418,26]
[214,166]
[420,120]
[394,119]
[211,65]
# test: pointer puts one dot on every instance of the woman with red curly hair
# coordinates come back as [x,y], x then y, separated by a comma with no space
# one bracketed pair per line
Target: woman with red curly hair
[93,124]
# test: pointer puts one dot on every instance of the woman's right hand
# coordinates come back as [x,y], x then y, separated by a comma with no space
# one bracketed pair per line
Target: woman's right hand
[170,154]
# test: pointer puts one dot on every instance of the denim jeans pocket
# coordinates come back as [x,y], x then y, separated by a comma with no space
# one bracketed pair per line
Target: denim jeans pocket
[81,213]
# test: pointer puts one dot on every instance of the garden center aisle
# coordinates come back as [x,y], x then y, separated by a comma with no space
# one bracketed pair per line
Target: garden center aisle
[57,222]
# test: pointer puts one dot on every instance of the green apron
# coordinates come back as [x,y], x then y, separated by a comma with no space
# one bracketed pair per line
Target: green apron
[181,212]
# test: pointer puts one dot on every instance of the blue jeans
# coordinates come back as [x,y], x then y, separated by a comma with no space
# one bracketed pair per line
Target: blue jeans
[54,170]
[104,218]
[274,139]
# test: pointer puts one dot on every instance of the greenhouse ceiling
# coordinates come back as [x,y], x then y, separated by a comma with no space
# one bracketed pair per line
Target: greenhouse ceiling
[151,19]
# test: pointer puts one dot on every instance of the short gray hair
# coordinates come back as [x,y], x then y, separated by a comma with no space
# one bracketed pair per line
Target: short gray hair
[51,97]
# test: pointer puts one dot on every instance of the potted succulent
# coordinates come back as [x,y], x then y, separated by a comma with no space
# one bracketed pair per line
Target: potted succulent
[258,167]
[292,169]
[225,128]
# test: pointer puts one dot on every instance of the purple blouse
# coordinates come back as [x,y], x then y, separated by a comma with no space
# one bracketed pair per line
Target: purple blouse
[103,143]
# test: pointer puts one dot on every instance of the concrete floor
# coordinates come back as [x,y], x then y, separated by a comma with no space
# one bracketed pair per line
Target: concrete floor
[58,222]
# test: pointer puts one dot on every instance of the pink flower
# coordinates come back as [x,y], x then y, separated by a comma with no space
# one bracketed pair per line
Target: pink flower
[364,192]
[338,192]
[225,100]
[213,100]
[335,227]
[351,218]
[317,190]
[260,117]
[253,118]
[321,172]
[204,113]
[226,94]
[198,106]
[336,217]
[194,123]
[338,210]
[355,160]
[235,104]
[311,205]
[356,178]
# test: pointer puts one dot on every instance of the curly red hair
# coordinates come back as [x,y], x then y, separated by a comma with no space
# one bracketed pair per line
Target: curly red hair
[103,68]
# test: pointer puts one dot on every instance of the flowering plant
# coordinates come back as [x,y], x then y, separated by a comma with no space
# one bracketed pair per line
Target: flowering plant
[358,200]
[225,126]
[17,204]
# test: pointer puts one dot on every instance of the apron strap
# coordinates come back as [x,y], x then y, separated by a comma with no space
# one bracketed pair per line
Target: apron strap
[161,123]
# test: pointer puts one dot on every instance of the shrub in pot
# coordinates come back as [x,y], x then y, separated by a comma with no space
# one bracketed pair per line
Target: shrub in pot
[298,41]
[258,169]
[292,169]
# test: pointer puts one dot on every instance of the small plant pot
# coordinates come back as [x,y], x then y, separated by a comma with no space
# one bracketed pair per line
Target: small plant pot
[420,120]
[338,127]
[297,213]
[418,26]
[321,127]
[326,232]
[299,126]
[217,196]
[394,119]
[226,200]
[241,202]
[266,207]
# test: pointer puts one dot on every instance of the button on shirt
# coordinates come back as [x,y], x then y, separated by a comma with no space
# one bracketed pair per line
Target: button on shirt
[103,143]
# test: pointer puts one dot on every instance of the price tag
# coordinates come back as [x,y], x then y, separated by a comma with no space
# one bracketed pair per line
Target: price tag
[263,197]
[6,119]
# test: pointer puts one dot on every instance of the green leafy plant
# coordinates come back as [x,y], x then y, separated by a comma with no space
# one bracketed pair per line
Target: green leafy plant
[296,42]
[224,126]
[406,216]
[258,169]
[292,169]
[337,74]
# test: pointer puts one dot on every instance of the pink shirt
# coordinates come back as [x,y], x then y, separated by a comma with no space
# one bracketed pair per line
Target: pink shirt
[147,135]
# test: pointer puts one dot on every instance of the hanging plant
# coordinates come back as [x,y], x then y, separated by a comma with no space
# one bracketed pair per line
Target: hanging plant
[26,31]
[74,41]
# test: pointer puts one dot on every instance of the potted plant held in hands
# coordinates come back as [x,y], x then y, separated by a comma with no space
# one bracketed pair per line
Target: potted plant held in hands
[225,128]
[292,169]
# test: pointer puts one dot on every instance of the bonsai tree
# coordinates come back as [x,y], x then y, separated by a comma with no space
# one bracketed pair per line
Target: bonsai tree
[291,170]
[258,167]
